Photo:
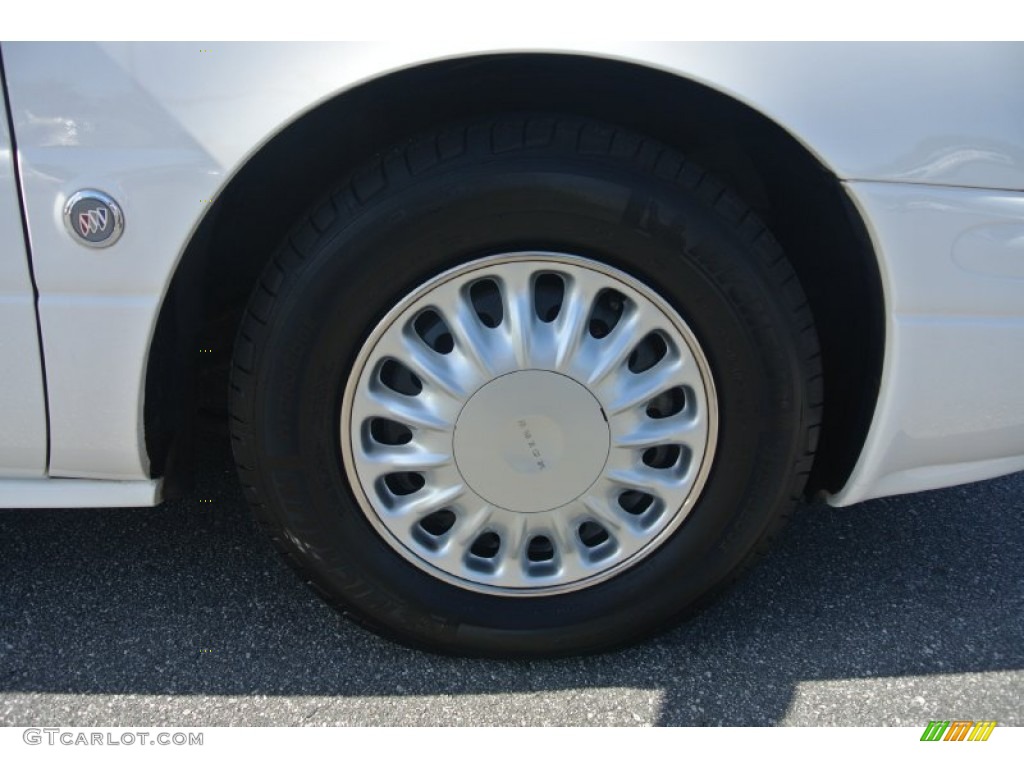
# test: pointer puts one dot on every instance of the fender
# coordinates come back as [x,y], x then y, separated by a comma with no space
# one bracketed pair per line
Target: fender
[164,127]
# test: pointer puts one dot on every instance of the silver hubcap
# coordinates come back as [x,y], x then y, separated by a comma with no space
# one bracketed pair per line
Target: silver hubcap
[531,441]
[529,423]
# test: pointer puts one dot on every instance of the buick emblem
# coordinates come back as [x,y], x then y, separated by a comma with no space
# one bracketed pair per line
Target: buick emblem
[93,218]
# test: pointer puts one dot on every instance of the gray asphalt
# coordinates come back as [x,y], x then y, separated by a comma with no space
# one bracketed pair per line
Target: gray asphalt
[892,612]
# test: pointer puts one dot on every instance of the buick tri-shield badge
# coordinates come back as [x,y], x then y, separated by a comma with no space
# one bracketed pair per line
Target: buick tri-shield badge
[93,218]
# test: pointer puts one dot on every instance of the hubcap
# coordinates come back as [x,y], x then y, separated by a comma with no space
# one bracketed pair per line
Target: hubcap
[528,424]
[531,441]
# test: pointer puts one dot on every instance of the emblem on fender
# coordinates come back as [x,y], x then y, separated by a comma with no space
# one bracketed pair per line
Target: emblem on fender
[93,218]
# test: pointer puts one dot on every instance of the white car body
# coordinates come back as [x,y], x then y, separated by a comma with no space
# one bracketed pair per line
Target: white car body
[926,141]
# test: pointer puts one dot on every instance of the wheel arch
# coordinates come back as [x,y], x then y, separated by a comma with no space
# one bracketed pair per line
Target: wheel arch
[800,199]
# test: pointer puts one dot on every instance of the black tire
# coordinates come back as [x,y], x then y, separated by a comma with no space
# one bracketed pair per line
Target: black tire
[513,184]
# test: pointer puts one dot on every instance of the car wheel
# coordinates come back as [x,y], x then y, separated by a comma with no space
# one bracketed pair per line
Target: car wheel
[525,386]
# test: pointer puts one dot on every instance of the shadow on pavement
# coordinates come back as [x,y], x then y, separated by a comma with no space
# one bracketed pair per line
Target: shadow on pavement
[126,601]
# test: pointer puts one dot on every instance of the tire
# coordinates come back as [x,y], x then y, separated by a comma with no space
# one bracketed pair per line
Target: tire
[528,386]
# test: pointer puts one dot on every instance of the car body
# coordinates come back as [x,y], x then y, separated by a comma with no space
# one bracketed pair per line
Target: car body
[892,174]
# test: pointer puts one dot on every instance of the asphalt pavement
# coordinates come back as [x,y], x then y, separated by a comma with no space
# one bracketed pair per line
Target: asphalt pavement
[892,612]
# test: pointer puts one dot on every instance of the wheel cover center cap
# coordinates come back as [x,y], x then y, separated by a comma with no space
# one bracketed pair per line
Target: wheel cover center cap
[531,441]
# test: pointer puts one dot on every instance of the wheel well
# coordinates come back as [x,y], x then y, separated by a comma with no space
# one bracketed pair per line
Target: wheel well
[801,201]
